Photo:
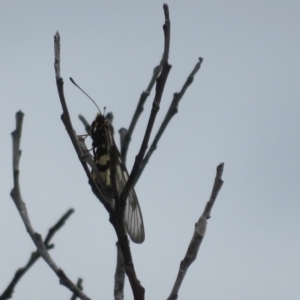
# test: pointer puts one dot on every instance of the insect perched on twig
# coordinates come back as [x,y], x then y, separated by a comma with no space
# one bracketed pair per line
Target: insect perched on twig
[112,174]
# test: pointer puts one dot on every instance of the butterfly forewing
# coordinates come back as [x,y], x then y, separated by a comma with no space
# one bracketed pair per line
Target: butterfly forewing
[103,144]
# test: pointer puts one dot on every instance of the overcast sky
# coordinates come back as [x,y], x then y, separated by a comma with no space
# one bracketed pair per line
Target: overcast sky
[242,109]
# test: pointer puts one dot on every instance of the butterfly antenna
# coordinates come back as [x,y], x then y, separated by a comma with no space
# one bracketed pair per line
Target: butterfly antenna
[85,94]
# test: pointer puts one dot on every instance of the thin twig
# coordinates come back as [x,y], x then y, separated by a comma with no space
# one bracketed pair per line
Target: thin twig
[57,226]
[119,275]
[7,294]
[173,109]
[160,84]
[138,111]
[68,124]
[21,206]
[199,232]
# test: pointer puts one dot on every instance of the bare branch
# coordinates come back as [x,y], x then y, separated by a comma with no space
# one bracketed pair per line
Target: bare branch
[57,55]
[119,275]
[199,232]
[57,226]
[7,294]
[20,204]
[137,289]
[173,109]
[160,84]
[126,139]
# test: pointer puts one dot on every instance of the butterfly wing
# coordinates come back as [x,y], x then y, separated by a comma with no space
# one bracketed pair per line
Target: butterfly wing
[133,219]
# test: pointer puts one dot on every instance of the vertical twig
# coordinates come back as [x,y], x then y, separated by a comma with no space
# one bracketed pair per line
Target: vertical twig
[160,84]
[119,275]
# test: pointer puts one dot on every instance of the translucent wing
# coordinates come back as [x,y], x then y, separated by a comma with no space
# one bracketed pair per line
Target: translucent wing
[133,219]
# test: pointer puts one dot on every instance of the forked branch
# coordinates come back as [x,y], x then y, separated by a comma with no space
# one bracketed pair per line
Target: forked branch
[173,109]
[20,204]
[7,294]
[160,85]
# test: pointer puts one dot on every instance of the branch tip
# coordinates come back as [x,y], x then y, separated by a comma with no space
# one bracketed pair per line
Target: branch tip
[166,11]
[220,169]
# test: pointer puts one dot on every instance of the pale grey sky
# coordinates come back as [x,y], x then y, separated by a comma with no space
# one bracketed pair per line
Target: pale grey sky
[242,109]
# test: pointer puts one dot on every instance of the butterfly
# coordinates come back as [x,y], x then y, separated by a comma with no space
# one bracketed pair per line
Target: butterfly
[113,175]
